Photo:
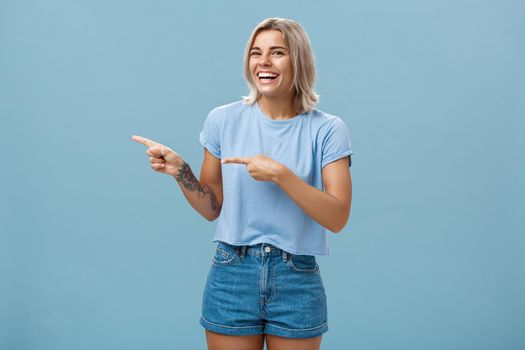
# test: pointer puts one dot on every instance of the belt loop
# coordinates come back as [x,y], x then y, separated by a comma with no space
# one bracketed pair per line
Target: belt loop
[285,256]
[243,250]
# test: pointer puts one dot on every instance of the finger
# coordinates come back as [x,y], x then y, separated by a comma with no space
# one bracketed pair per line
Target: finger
[157,160]
[158,166]
[144,141]
[158,152]
[238,160]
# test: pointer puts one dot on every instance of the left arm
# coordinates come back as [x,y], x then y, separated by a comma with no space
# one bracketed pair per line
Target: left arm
[331,208]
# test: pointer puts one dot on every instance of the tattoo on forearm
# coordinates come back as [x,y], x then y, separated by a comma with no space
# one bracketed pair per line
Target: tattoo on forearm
[213,199]
[189,181]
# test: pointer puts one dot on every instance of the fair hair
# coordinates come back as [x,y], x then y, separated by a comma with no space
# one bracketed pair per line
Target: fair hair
[302,59]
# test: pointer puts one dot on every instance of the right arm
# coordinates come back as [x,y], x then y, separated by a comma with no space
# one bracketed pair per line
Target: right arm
[204,195]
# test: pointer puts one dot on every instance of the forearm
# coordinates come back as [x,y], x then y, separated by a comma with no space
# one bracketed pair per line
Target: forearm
[322,207]
[200,196]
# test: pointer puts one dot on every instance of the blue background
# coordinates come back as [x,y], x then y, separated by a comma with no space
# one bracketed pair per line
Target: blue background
[98,251]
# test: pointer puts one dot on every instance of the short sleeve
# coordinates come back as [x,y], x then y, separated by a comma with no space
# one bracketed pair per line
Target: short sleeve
[336,143]
[209,136]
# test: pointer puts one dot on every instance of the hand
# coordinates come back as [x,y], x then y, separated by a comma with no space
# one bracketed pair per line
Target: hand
[260,167]
[162,158]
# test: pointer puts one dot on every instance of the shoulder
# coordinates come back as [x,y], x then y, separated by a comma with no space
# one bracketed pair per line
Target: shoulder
[326,122]
[229,109]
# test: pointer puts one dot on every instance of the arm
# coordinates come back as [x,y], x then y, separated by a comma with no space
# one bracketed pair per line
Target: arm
[331,208]
[205,196]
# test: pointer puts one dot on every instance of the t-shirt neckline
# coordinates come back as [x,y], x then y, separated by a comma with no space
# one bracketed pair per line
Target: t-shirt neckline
[269,120]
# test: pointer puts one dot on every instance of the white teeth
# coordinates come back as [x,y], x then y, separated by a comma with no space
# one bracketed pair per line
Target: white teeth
[267,75]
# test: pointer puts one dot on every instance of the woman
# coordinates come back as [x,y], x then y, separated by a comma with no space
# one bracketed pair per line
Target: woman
[276,174]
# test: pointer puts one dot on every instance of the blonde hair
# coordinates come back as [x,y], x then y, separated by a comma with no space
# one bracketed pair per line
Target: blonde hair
[302,59]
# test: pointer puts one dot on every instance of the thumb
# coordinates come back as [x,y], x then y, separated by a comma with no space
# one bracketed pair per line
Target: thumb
[169,155]
[156,151]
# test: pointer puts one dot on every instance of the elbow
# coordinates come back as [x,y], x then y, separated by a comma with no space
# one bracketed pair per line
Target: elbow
[211,218]
[337,229]
[341,225]
[215,215]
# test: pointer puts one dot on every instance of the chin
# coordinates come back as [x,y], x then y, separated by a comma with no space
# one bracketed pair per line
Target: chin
[268,92]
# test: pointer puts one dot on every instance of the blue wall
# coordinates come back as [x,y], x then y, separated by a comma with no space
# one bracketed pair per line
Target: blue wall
[98,251]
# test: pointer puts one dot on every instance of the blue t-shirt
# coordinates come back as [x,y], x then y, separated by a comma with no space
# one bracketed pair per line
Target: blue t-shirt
[260,211]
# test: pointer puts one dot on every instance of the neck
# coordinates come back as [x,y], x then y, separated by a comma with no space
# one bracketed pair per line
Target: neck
[277,108]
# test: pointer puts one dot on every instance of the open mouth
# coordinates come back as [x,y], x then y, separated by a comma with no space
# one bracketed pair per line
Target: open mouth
[267,77]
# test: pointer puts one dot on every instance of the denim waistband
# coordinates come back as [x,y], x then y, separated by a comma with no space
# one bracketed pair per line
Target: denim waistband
[260,249]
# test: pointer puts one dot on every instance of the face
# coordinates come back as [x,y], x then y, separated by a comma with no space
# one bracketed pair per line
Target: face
[270,64]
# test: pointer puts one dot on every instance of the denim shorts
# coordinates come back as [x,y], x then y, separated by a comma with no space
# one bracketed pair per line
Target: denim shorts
[261,289]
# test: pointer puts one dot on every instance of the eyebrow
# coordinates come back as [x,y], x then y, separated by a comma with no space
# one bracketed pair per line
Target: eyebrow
[271,48]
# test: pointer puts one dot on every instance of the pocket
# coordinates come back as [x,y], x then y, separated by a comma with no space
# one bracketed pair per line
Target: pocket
[224,254]
[303,263]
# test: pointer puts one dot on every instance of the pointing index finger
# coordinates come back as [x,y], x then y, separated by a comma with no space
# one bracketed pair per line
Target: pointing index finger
[239,160]
[144,141]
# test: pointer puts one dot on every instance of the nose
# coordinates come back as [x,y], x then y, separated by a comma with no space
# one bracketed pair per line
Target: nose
[264,60]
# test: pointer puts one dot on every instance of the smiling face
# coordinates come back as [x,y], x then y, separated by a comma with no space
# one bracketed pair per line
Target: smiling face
[270,65]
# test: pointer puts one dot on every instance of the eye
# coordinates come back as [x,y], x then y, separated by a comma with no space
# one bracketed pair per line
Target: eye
[254,53]
[279,52]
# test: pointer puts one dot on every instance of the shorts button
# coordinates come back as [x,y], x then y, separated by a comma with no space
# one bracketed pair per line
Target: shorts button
[267,249]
